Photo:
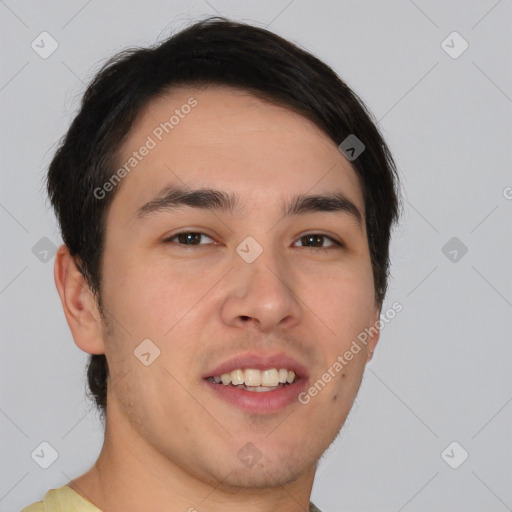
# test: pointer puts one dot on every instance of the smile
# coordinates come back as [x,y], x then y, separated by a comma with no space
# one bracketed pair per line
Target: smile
[257,391]
[253,379]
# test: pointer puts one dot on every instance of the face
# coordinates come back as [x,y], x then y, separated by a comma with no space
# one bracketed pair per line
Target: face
[242,277]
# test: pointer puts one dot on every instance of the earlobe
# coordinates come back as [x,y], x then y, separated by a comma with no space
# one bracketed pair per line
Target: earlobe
[78,303]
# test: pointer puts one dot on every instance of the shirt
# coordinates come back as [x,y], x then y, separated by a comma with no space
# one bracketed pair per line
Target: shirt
[65,499]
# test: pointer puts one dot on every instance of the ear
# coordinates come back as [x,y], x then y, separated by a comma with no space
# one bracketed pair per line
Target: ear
[79,303]
[374,333]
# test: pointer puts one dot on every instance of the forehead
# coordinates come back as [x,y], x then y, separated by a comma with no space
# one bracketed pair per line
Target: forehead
[223,137]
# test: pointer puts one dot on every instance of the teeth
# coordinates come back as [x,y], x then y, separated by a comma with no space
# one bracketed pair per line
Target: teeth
[237,377]
[270,378]
[261,389]
[252,377]
[265,380]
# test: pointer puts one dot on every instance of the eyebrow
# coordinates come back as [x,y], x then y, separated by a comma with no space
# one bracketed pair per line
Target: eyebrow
[174,197]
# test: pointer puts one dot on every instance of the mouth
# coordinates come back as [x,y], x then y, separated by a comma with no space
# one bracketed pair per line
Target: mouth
[255,380]
[258,384]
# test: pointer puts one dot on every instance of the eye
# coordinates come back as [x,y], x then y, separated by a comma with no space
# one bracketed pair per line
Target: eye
[315,240]
[187,238]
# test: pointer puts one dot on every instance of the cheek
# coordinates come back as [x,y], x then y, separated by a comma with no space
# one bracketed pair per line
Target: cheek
[344,302]
[150,295]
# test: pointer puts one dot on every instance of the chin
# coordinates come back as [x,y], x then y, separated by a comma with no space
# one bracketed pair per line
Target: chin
[263,477]
[271,471]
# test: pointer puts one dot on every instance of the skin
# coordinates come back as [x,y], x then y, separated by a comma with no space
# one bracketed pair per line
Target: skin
[170,442]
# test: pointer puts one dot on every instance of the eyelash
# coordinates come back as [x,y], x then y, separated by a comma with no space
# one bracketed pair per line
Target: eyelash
[336,245]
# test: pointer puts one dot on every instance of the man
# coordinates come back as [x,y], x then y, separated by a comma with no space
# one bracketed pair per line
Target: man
[226,204]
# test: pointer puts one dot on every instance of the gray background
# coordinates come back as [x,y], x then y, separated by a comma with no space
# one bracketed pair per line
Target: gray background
[442,370]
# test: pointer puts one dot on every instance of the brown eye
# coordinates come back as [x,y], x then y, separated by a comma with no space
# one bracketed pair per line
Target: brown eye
[316,240]
[188,238]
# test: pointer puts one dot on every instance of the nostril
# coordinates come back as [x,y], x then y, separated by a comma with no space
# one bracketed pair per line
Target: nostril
[244,318]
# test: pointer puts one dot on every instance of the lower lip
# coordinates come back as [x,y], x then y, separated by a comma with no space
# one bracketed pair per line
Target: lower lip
[259,402]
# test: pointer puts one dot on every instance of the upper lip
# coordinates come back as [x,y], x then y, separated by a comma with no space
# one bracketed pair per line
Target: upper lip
[260,362]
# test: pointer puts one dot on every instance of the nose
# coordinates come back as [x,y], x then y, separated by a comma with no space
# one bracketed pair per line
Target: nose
[261,294]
